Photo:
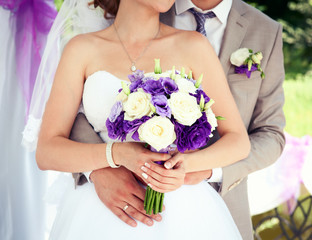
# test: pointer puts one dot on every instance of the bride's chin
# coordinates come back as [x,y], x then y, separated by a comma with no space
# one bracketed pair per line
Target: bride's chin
[162,6]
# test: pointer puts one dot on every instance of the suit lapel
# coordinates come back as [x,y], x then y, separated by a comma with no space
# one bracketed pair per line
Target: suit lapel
[234,33]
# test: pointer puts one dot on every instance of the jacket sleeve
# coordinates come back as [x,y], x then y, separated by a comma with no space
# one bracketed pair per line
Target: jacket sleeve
[267,123]
[83,132]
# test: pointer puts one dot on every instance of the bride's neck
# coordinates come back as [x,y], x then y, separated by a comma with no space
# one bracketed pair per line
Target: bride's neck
[135,22]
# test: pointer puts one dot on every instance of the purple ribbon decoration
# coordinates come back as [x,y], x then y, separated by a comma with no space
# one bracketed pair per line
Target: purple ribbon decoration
[31,21]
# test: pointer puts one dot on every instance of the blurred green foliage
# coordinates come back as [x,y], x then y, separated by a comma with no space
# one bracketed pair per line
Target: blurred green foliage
[298,104]
[296,18]
[58,4]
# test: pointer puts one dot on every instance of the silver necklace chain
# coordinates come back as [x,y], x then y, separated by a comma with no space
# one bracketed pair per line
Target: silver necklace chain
[133,61]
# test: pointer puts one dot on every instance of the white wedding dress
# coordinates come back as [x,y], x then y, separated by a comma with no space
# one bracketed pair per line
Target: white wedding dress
[192,212]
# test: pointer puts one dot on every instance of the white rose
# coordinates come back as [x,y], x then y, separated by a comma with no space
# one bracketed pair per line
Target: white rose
[212,120]
[164,74]
[184,108]
[137,105]
[157,132]
[239,56]
[185,85]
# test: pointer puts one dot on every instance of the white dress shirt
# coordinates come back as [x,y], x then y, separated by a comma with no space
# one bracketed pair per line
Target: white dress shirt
[214,26]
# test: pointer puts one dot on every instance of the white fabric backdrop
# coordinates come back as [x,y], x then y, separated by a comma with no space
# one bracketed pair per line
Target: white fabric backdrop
[22,184]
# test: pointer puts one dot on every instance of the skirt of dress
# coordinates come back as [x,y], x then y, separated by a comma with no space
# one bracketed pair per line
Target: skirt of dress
[192,212]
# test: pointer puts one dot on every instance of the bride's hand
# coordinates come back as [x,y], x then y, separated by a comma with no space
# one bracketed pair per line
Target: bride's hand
[163,179]
[134,156]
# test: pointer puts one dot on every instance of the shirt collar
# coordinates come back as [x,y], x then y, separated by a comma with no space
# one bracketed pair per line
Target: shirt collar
[222,10]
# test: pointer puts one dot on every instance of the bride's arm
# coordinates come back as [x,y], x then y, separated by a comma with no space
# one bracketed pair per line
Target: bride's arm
[55,151]
[234,143]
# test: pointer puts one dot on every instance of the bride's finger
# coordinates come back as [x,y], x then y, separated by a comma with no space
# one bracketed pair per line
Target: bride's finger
[150,168]
[148,173]
[165,187]
[173,161]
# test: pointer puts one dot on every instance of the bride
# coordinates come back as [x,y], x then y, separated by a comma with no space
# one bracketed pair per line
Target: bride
[102,60]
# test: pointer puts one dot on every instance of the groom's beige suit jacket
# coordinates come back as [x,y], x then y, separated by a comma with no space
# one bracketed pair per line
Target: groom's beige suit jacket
[260,103]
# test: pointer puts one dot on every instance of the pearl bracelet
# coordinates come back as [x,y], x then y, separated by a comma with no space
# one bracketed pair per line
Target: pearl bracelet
[109,156]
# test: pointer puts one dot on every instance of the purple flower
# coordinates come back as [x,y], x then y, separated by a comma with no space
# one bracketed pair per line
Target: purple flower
[244,69]
[181,141]
[149,78]
[137,75]
[132,126]
[115,129]
[136,80]
[199,132]
[135,85]
[135,136]
[153,87]
[198,96]
[169,85]
[161,104]
[115,111]
[193,137]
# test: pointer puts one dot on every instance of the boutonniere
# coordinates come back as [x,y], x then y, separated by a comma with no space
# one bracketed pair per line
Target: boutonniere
[245,61]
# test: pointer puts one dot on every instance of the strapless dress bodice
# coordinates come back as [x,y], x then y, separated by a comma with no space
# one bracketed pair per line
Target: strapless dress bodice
[99,95]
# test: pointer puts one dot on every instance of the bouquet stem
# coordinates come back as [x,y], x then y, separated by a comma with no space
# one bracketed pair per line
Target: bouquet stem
[153,201]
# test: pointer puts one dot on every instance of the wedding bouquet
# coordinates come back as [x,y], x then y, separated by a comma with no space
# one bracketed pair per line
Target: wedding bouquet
[162,109]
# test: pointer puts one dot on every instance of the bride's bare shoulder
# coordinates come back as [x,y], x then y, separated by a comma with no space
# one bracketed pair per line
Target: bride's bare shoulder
[88,42]
[195,41]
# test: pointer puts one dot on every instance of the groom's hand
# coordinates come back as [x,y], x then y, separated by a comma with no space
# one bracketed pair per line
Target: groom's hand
[117,188]
[196,177]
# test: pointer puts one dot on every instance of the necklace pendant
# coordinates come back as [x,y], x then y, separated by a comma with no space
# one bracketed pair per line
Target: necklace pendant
[133,68]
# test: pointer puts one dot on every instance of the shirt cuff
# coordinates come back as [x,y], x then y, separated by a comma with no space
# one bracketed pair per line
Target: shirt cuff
[216,175]
[87,175]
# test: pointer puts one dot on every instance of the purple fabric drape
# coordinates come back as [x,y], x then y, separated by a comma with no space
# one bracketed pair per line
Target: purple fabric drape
[31,20]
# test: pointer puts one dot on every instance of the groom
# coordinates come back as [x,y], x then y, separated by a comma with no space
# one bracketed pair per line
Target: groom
[233,25]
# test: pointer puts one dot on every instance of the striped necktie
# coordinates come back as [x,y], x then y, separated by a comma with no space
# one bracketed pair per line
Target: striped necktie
[200,19]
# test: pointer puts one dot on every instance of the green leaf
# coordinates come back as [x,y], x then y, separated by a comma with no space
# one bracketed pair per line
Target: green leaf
[152,108]
[199,81]
[58,4]
[220,118]
[249,64]
[202,103]
[173,73]
[190,75]
[157,69]
[209,104]
[182,72]
[125,88]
